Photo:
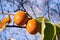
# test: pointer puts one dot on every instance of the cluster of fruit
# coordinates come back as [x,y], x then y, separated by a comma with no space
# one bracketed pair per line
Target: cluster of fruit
[21,18]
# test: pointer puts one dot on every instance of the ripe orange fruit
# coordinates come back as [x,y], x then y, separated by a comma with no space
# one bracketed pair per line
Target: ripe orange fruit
[7,20]
[20,18]
[2,26]
[32,26]
[4,21]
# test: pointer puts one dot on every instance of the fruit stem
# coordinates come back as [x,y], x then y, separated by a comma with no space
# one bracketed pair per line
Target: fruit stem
[27,14]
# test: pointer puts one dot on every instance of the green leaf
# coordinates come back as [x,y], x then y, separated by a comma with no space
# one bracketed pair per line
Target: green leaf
[50,31]
[58,32]
[43,28]
[47,29]
[39,19]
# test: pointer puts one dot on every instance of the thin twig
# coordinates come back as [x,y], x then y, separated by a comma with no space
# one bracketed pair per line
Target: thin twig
[48,8]
[24,8]
[14,26]
[33,11]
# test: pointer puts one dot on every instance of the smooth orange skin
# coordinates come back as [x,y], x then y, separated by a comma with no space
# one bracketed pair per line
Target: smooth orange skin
[32,26]
[2,26]
[20,18]
[7,20]
[4,21]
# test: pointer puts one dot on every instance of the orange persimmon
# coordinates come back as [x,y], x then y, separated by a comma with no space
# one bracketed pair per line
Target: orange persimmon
[20,18]
[32,26]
